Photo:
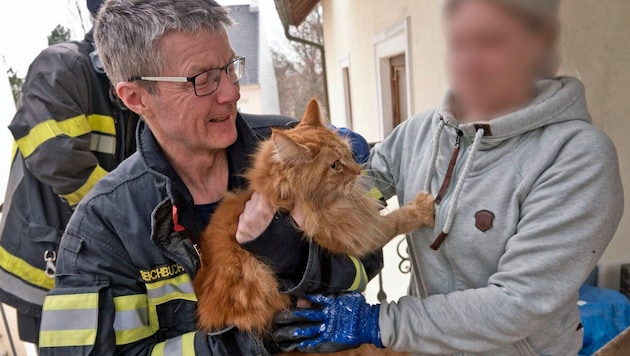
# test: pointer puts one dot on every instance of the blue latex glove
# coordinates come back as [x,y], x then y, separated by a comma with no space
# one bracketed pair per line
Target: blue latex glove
[360,147]
[335,323]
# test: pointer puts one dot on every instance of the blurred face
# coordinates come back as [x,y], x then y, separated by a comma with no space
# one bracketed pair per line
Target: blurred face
[492,58]
[175,114]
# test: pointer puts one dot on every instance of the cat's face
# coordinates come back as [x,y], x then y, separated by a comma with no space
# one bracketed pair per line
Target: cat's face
[316,160]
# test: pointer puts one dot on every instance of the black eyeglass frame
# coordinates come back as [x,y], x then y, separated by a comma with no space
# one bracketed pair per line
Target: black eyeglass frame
[194,77]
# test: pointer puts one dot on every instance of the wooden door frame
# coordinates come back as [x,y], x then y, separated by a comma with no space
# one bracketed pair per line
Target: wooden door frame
[391,42]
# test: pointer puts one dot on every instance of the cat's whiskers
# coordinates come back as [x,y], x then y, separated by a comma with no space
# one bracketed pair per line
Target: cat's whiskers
[358,200]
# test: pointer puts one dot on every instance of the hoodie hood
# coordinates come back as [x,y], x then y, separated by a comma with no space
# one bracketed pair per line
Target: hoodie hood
[558,100]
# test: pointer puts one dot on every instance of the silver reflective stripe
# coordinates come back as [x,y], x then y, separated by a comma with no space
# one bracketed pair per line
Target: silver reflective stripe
[185,288]
[173,346]
[78,319]
[17,173]
[103,143]
[131,319]
[21,289]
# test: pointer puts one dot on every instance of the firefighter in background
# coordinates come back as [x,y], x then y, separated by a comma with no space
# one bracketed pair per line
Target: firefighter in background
[69,131]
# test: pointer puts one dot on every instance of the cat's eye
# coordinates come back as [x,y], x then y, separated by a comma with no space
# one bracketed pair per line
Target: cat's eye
[336,165]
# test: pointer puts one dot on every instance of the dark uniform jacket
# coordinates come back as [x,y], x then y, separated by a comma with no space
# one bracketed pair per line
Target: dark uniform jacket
[124,274]
[68,134]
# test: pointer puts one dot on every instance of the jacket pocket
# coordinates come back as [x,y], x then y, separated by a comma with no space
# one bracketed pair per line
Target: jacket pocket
[44,234]
[76,315]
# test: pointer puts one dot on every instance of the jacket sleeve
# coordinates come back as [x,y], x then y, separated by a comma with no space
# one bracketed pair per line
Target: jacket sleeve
[51,126]
[99,306]
[383,169]
[303,268]
[568,216]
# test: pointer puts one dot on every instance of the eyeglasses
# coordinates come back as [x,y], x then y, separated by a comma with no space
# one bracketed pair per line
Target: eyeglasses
[206,82]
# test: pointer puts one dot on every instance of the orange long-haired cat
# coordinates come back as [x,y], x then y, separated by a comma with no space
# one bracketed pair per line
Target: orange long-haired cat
[309,165]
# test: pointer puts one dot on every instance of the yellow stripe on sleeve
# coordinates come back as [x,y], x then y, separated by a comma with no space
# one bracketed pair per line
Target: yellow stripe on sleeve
[49,129]
[75,197]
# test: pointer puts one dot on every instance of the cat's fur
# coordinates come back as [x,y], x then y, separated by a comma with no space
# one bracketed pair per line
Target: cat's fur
[312,166]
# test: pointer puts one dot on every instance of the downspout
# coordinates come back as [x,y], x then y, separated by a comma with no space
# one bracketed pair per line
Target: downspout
[320,47]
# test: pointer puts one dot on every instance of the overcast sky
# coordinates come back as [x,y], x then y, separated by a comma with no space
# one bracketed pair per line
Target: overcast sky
[25,25]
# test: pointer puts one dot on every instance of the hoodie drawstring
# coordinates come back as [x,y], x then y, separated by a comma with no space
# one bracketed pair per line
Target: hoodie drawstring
[434,155]
[450,215]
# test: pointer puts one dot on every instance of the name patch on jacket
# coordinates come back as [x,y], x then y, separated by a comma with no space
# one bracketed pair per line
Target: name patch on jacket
[162,272]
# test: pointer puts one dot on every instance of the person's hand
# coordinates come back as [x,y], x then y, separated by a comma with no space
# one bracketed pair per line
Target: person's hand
[297,213]
[254,219]
[336,323]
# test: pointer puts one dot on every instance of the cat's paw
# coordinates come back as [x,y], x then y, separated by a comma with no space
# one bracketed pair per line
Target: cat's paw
[425,208]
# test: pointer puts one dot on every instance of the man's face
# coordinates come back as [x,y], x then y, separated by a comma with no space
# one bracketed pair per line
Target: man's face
[180,119]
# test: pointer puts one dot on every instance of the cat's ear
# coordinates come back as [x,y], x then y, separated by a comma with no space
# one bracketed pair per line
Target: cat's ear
[312,115]
[288,150]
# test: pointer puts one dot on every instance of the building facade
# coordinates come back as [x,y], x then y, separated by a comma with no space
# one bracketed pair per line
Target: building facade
[259,88]
[385,63]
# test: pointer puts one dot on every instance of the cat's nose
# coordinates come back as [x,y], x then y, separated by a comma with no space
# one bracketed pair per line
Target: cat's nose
[355,168]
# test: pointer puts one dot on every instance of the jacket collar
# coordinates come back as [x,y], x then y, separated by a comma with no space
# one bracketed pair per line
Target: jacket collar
[170,182]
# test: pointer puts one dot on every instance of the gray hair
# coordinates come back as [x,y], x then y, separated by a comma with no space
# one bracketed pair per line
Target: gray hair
[541,15]
[128,33]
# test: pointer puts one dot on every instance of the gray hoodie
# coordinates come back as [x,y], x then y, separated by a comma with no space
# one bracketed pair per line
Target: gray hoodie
[534,199]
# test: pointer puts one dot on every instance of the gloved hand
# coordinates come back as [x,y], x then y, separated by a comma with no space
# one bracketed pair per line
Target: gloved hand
[336,323]
[360,147]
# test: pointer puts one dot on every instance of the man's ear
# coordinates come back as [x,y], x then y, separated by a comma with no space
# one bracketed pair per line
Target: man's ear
[287,150]
[134,96]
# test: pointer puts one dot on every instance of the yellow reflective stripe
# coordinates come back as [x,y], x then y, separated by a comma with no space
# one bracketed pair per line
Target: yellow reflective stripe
[130,302]
[179,287]
[183,345]
[360,280]
[75,197]
[63,338]
[19,267]
[188,344]
[102,123]
[14,151]
[124,337]
[375,193]
[129,331]
[79,326]
[44,131]
[163,291]
[158,349]
[71,301]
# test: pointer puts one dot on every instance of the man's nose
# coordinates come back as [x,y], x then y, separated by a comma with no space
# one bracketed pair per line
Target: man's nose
[227,92]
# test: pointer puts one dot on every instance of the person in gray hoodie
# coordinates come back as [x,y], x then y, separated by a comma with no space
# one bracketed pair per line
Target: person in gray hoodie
[528,196]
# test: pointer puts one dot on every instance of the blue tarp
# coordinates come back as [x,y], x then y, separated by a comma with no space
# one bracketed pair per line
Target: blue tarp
[605,314]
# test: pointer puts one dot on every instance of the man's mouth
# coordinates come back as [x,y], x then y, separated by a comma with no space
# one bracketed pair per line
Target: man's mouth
[219,119]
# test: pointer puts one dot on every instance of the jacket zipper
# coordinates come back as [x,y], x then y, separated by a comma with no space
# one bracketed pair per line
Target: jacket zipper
[444,202]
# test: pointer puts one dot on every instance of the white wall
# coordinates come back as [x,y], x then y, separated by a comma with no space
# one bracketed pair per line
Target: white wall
[596,49]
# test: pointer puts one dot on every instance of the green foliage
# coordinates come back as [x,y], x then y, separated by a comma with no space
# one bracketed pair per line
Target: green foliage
[59,34]
[16,83]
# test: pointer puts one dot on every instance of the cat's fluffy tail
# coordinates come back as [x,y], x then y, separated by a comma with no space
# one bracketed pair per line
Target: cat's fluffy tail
[233,287]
